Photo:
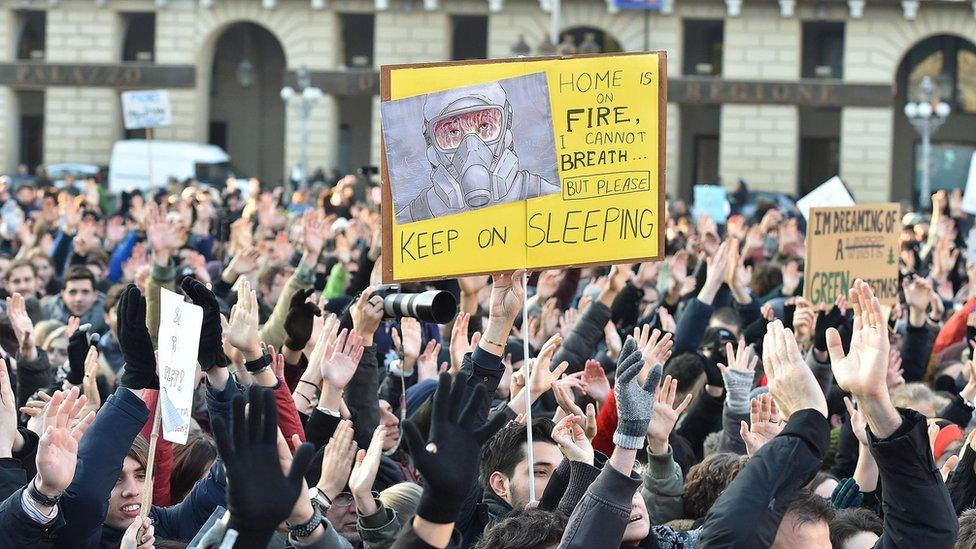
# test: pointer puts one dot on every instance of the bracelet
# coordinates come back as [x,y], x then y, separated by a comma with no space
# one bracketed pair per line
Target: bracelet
[308,400]
[309,382]
[259,364]
[304,530]
[40,498]
[490,342]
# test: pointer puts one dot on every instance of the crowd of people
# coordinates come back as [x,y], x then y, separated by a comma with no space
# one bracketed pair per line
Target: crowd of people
[699,401]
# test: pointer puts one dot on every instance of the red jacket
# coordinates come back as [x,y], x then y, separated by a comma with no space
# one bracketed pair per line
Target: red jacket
[164,453]
[288,420]
[954,329]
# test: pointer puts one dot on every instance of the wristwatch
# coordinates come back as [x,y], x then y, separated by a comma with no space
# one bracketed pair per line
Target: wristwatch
[319,499]
[260,363]
[40,498]
[304,530]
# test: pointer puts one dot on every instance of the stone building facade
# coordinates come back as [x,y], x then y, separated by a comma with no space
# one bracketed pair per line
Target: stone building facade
[779,93]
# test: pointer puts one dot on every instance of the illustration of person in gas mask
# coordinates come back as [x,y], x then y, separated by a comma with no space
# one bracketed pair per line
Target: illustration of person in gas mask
[472,155]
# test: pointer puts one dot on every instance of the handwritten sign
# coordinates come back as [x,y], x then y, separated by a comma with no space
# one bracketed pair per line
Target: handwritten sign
[179,339]
[712,200]
[522,163]
[146,109]
[844,244]
[832,192]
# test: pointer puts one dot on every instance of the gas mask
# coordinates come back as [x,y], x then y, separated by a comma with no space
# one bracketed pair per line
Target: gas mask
[470,150]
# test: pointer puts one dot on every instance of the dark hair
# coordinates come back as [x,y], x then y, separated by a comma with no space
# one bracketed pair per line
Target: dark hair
[686,368]
[531,529]
[707,480]
[267,275]
[727,316]
[112,296]
[966,538]
[190,463]
[809,508]
[765,277]
[78,273]
[849,522]
[97,256]
[19,264]
[505,449]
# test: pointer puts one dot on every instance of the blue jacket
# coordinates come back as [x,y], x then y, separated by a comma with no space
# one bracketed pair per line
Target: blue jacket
[101,452]
[18,529]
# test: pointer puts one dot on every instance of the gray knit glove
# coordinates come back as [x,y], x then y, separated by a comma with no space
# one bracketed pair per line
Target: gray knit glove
[634,403]
[738,386]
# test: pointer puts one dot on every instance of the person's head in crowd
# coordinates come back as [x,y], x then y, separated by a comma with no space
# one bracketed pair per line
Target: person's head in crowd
[44,328]
[191,462]
[125,501]
[707,480]
[689,370]
[765,278]
[856,528]
[915,396]
[391,421]
[271,282]
[26,194]
[533,528]
[111,313]
[56,345]
[78,291]
[504,470]
[342,516]
[639,522]
[20,277]
[966,538]
[43,266]
[823,484]
[403,497]
[711,443]
[726,318]
[806,524]
[97,262]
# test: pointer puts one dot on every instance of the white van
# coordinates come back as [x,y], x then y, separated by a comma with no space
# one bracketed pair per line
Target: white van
[129,167]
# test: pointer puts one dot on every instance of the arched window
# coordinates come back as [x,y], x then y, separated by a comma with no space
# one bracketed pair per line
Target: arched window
[951,63]
[592,40]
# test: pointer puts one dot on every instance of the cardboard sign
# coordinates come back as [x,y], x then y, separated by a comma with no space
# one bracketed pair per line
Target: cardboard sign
[712,200]
[832,192]
[969,195]
[179,339]
[536,163]
[844,244]
[146,109]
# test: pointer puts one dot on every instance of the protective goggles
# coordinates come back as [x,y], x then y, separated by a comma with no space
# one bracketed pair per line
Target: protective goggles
[451,129]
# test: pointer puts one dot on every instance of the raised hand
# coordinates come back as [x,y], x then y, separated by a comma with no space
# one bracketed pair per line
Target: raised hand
[89,384]
[259,494]
[790,380]
[858,424]
[448,459]
[563,392]
[315,232]
[507,295]
[658,349]
[863,371]
[300,319]
[136,345]
[366,313]
[210,351]
[597,384]
[341,358]
[460,344]
[664,415]
[542,376]
[572,440]
[9,437]
[78,345]
[764,424]
[427,362]
[244,262]
[410,337]
[635,400]
[364,473]
[57,451]
[738,376]
[337,460]
[242,332]
[20,322]
[160,233]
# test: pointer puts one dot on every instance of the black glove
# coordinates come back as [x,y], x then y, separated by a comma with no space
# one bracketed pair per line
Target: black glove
[450,472]
[259,496]
[846,495]
[298,322]
[137,349]
[211,351]
[78,345]
[830,319]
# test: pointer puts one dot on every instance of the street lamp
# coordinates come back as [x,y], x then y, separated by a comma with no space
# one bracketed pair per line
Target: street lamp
[302,101]
[926,115]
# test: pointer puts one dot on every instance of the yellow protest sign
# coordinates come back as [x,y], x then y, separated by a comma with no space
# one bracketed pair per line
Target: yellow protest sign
[851,242]
[531,162]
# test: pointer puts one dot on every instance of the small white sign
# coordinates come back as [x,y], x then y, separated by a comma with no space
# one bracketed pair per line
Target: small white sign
[179,339]
[146,109]
[830,193]
[712,200]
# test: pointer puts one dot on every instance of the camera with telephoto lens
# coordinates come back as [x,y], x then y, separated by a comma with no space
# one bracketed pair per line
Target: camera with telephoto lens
[435,306]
